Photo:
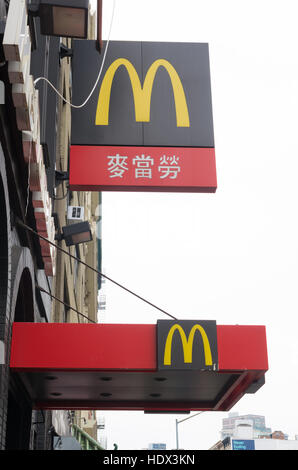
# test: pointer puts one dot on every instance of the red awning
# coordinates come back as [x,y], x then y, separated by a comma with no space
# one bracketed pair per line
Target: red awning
[114,366]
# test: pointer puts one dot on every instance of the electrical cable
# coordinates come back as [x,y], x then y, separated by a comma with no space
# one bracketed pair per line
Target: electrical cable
[29,176]
[99,74]
[60,198]
[64,303]
[53,244]
[22,224]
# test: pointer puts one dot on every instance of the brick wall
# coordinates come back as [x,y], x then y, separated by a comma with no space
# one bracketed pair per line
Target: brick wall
[16,269]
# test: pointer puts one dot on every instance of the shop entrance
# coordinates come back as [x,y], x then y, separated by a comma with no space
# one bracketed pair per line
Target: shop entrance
[19,413]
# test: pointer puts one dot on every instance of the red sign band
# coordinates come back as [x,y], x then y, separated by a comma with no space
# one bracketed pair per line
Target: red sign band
[115,168]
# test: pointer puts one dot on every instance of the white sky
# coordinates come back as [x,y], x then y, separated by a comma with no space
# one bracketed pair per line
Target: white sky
[231,256]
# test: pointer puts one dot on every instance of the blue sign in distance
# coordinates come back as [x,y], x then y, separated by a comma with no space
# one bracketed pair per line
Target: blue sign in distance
[243,444]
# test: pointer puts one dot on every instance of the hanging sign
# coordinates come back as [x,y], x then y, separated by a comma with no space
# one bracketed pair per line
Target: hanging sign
[148,125]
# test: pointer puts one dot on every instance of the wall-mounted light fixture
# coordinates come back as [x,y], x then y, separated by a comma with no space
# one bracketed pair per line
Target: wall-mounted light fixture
[63,18]
[64,51]
[75,233]
[61,176]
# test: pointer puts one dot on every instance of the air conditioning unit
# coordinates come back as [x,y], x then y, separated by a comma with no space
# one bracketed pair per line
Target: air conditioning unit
[75,213]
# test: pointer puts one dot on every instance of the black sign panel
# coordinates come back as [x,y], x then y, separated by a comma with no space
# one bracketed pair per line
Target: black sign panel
[187,345]
[149,94]
[44,63]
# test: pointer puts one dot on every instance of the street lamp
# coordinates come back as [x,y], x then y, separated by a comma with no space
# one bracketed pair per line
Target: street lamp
[63,18]
[75,233]
[181,421]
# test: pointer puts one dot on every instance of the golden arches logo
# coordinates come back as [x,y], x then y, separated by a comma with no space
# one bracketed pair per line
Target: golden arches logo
[142,95]
[187,344]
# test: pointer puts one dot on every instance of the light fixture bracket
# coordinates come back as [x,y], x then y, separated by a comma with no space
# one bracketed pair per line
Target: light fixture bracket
[33,7]
[64,51]
[61,176]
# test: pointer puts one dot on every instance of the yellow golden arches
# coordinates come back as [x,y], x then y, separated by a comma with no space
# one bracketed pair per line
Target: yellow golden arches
[142,95]
[187,344]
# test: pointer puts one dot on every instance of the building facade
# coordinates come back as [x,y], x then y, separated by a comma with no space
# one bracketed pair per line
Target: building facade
[268,443]
[249,432]
[255,424]
[39,283]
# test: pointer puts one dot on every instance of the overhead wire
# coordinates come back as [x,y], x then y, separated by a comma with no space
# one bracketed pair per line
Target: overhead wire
[59,198]
[29,176]
[22,224]
[98,76]
[64,303]
[71,104]
[57,246]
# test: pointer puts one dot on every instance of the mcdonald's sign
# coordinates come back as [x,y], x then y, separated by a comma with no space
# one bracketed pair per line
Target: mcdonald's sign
[187,344]
[142,95]
[150,97]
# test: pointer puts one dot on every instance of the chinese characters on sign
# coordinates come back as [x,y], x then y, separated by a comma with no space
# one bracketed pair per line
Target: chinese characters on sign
[119,168]
[143,166]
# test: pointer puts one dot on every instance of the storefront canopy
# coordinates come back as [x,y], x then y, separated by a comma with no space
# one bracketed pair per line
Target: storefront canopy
[114,367]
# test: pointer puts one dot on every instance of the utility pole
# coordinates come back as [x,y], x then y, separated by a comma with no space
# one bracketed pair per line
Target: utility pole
[181,421]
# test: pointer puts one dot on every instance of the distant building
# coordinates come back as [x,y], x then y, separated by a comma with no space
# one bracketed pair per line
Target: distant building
[253,425]
[268,443]
[157,446]
[248,432]
[101,434]
[256,444]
